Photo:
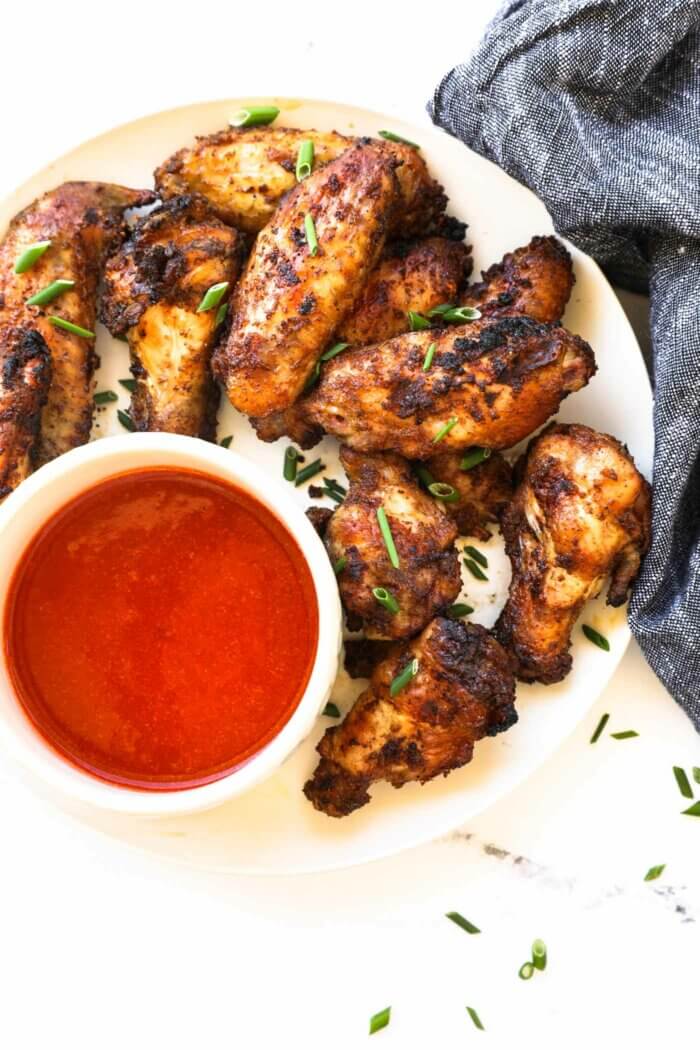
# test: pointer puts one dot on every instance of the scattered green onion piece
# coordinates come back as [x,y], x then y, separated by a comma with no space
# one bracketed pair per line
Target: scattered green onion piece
[332,494]
[474,457]
[310,230]
[289,469]
[430,354]
[51,292]
[596,637]
[417,322]
[68,326]
[305,159]
[391,136]
[331,710]
[654,872]
[309,472]
[423,474]
[128,384]
[464,924]
[212,297]
[254,115]
[478,557]
[387,599]
[336,486]
[696,774]
[385,530]
[438,311]
[444,431]
[476,570]
[404,677]
[626,734]
[442,491]
[692,811]
[226,442]
[460,314]
[340,565]
[313,378]
[334,351]
[683,782]
[475,1018]
[125,420]
[103,397]
[604,719]
[526,971]
[379,1020]
[458,610]
[32,254]
[122,338]
[539,954]
[221,315]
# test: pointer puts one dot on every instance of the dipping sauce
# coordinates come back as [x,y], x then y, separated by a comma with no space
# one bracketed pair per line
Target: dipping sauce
[161,628]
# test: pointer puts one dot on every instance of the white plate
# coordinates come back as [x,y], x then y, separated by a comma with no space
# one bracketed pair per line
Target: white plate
[273,829]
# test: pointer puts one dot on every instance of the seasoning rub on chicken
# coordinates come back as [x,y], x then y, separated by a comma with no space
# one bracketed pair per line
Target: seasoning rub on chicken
[25,374]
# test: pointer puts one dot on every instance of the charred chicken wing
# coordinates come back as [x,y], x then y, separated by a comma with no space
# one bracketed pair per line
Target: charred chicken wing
[581,513]
[483,491]
[533,281]
[25,373]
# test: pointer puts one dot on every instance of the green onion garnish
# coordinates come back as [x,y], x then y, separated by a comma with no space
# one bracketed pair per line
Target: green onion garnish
[417,322]
[461,313]
[331,710]
[696,774]
[478,557]
[683,782]
[125,419]
[596,637]
[309,472]
[122,338]
[430,354]
[441,490]
[438,311]
[476,570]
[31,255]
[458,610]
[336,486]
[404,677]
[212,297]
[654,872]
[332,494]
[423,474]
[68,326]
[313,377]
[600,727]
[443,431]
[51,292]
[526,971]
[385,530]
[254,115]
[103,397]
[310,230]
[626,734]
[289,469]
[539,954]
[464,924]
[128,384]
[340,565]
[475,1018]
[305,159]
[221,315]
[692,811]
[226,442]
[473,457]
[380,1020]
[387,599]
[334,351]
[391,136]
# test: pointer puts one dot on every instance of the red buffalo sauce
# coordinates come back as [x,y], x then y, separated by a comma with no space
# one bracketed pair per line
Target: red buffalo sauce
[161,628]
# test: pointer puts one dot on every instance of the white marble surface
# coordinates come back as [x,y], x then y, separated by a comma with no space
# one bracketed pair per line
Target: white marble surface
[103,947]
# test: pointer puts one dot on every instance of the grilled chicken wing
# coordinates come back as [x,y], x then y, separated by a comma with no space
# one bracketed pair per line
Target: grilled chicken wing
[25,374]
[82,220]
[491,383]
[428,576]
[245,172]
[464,689]
[533,281]
[153,287]
[289,302]
[483,491]
[580,513]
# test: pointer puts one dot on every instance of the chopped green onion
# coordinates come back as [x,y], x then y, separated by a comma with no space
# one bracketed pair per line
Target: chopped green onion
[391,136]
[478,557]
[122,338]
[331,710]
[423,474]
[332,494]
[387,599]
[254,115]
[444,431]
[385,530]
[475,1018]
[51,292]
[526,971]
[103,397]
[696,774]
[221,315]
[692,811]
[226,442]
[289,469]
[539,954]
[461,313]
[417,322]
[336,486]
[473,457]
[33,253]
[305,159]
[438,311]
[464,924]
[125,419]
[441,490]
[379,1020]
[626,734]
[430,354]
[128,384]
[683,782]
[654,872]
[334,351]
[212,297]
[313,378]
[458,610]
[309,472]
[476,570]
[403,678]
[340,565]
[596,637]
[310,230]
[600,727]
[68,326]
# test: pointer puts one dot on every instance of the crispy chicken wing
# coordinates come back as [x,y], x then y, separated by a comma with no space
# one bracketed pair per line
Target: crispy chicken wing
[483,491]
[83,220]
[464,690]
[580,513]
[245,172]
[25,373]
[153,286]
[428,577]
[491,383]
[533,281]
[289,302]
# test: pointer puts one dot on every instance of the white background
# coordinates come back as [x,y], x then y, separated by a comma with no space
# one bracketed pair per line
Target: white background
[100,947]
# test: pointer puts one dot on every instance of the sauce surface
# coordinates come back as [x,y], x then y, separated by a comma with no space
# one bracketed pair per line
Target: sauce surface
[161,628]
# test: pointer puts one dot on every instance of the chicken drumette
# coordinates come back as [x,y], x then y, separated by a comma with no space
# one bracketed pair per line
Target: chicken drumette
[533,281]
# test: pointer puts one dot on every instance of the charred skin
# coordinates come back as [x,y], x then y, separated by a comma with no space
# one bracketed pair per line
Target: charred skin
[153,286]
[484,491]
[25,375]
[533,281]
[83,221]
[428,577]
[499,380]
[464,690]
[581,513]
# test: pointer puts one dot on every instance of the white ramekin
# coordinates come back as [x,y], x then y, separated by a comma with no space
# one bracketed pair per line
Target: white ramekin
[25,511]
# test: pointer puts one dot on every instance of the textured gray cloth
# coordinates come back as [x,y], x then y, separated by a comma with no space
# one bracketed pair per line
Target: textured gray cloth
[595,105]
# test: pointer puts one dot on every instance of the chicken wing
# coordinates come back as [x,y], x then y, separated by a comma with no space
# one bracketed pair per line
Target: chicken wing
[428,576]
[490,383]
[245,172]
[580,513]
[464,689]
[291,299]
[533,281]
[25,373]
[483,491]
[153,287]
[82,220]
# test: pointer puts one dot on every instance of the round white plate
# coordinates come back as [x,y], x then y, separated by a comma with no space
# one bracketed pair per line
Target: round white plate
[273,829]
